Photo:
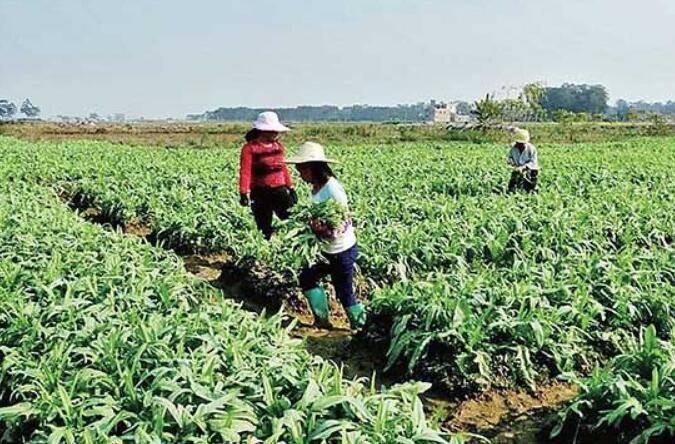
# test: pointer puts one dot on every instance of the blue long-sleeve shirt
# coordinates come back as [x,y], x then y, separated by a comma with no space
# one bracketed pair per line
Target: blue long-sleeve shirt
[527,158]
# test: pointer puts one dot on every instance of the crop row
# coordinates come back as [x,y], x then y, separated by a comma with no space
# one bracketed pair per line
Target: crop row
[104,338]
[480,288]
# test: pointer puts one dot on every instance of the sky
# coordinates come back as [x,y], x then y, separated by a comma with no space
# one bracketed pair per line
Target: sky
[168,58]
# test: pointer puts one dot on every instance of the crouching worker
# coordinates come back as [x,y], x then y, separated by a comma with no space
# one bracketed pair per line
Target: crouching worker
[338,244]
[523,160]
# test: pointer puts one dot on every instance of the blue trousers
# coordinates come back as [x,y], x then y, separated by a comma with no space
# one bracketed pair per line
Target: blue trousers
[340,267]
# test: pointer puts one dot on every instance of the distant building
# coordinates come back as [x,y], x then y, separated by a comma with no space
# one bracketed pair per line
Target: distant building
[441,112]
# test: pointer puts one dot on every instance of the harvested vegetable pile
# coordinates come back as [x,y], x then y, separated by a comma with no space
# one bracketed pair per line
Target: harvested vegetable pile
[333,214]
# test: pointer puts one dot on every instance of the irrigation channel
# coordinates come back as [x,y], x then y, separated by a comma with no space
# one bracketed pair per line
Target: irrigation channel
[502,417]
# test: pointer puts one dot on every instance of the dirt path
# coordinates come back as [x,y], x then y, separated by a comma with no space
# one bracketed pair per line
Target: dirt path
[358,356]
[512,416]
[506,417]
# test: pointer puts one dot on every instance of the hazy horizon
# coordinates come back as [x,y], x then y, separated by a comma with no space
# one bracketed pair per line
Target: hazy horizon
[169,59]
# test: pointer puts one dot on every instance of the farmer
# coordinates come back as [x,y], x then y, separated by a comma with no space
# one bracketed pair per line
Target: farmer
[264,182]
[338,246]
[523,160]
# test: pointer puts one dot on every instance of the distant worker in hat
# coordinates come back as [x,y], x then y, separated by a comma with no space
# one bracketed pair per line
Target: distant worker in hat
[264,182]
[523,160]
[338,245]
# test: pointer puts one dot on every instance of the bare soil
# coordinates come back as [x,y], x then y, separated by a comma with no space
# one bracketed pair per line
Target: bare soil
[490,409]
[138,228]
[162,134]
[506,416]
[217,270]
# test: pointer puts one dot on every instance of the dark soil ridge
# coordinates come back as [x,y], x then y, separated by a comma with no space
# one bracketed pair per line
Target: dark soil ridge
[246,280]
[512,414]
[260,289]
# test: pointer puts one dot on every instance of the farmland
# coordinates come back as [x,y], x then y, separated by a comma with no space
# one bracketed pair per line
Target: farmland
[472,290]
[202,134]
[107,338]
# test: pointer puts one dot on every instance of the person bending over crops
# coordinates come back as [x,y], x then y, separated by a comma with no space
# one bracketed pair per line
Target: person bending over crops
[523,160]
[264,182]
[332,224]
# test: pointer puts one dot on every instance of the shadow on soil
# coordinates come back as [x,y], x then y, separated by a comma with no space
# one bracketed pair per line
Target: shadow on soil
[505,417]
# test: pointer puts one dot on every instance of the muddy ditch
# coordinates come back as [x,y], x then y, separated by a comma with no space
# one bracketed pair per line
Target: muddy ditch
[503,416]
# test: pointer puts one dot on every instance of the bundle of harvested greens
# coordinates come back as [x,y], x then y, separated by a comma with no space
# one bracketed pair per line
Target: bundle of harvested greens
[330,212]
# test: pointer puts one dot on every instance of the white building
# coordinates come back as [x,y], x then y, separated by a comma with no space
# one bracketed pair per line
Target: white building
[442,112]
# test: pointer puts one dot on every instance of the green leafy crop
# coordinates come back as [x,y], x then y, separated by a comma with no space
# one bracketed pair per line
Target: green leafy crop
[330,212]
[476,288]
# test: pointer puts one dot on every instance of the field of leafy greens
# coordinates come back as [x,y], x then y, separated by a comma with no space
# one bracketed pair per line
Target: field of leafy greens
[104,338]
[477,289]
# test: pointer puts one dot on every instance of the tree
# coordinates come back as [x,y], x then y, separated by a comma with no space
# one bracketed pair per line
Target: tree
[515,110]
[622,110]
[463,108]
[533,94]
[623,107]
[401,113]
[576,98]
[7,109]
[487,110]
[29,109]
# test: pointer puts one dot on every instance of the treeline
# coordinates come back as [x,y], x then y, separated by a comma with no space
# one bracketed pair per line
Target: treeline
[589,102]
[590,99]
[535,102]
[8,109]
[626,111]
[357,113]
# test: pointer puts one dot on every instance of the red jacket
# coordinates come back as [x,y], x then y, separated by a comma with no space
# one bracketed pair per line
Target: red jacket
[262,166]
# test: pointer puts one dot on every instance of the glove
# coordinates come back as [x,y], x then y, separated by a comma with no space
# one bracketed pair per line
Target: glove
[321,229]
[293,196]
[244,201]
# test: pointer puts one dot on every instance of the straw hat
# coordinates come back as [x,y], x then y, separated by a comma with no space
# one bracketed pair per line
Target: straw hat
[521,135]
[310,152]
[269,121]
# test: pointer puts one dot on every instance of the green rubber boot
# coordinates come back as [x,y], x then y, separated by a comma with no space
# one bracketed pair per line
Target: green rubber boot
[357,316]
[318,301]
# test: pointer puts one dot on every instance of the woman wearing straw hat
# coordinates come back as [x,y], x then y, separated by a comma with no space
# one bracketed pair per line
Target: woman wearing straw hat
[339,248]
[264,182]
[523,160]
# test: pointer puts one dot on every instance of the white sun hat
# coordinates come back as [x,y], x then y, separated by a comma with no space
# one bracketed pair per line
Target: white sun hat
[521,135]
[310,152]
[269,121]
